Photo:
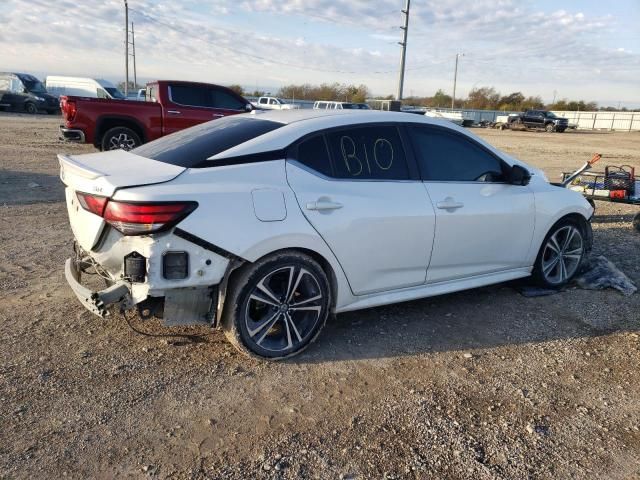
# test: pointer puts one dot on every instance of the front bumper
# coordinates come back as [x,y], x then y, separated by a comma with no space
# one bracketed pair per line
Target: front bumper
[96,302]
[71,135]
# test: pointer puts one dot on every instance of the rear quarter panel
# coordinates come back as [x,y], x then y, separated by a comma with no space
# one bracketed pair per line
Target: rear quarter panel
[226,214]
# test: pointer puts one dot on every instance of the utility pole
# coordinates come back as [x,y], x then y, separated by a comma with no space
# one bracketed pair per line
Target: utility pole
[555,92]
[405,29]
[133,46]
[126,48]
[455,79]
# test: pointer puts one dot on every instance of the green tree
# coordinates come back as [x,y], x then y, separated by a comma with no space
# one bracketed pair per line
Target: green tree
[237,88]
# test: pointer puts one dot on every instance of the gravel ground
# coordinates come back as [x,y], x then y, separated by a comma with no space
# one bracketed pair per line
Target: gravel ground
[478,384]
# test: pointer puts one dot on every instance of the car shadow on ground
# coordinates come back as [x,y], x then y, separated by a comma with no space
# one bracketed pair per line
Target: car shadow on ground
[27,188]
[476,319]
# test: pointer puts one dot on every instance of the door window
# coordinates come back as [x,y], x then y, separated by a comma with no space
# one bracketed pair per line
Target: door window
[190,95]
[368,153]
[263,101]
[314,154]
[222,99]
[450,157]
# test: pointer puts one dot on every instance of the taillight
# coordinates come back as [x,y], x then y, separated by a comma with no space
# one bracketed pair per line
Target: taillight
[144,218]
[69,108]
[92,203]
[137,218]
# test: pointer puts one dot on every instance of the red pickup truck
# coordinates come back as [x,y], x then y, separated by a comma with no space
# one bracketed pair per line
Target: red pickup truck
[124,124]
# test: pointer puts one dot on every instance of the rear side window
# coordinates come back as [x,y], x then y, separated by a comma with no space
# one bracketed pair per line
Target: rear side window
[444,156]
[191,147]
[314,154]
[368,153]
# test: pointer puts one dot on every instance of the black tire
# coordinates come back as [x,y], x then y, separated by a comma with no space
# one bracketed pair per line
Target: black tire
[636,222]
[550,127]
[560,130]
[120,138]
[563,248]
[258,316]
[31,108]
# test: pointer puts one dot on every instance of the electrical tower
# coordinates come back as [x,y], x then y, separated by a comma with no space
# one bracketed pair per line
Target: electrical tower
[405,29]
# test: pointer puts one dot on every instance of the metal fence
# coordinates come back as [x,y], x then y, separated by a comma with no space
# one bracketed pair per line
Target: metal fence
[619,121]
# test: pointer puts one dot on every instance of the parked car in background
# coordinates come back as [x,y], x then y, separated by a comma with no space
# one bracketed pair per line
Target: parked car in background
[274,103]
[329,105]
[170,106]
[25,93]
[265,224]
[541,119]
[82,87]
[138,95]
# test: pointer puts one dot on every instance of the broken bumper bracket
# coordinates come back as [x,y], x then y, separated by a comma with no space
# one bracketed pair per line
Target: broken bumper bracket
[95,302]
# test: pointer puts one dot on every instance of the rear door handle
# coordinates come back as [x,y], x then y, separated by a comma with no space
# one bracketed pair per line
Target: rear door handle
[217,115]
[449,204]
[174,112]
[323,205]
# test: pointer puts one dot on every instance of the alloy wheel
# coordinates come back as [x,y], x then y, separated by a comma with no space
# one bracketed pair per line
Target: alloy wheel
[562,255]
[122,141]
[284,308]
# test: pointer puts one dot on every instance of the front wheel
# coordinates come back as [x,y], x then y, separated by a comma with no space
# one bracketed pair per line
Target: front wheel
[277,306]
[561,255]
[550,127]
[120,138]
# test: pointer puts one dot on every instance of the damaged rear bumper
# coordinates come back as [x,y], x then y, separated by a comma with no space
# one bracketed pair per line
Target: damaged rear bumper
[96,302]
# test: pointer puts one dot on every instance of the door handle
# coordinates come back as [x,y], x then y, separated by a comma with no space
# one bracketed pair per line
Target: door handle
[217,115]
[174,112]
[323,205]
[449,204]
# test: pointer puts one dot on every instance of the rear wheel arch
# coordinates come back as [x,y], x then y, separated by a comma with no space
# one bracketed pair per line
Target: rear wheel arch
[104,124]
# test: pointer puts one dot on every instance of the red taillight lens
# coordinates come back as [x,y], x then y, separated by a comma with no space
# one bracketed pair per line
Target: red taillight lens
[136,218]
[92,203]
[69,108]
[145,218]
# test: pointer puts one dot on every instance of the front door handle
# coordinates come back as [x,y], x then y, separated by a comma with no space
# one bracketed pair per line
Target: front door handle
[217,115]
[174,112]
[323,205]
[449,204]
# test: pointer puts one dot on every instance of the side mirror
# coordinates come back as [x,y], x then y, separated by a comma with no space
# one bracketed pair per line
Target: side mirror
[248,107]
[519,176]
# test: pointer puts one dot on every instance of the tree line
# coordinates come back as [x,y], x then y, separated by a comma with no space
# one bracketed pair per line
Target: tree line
[481,98]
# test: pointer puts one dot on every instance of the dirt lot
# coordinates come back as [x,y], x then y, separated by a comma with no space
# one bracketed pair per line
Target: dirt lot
[479,384]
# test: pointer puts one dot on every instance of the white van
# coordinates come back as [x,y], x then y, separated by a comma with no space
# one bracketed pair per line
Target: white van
[82,87]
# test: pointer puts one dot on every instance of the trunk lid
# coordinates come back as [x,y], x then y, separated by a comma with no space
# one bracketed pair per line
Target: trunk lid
[101,174]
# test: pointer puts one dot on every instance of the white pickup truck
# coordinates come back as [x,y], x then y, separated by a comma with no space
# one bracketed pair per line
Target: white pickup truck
[274,103]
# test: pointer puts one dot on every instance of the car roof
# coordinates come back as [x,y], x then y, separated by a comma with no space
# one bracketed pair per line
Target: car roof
[301,122]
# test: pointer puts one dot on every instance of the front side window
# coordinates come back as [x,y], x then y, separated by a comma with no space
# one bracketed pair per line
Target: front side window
[368,153]
[222,99]
[450,157]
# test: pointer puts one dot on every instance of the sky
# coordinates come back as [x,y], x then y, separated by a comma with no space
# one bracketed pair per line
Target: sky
[586,49]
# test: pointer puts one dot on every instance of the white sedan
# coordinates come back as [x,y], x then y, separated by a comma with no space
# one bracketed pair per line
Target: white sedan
[265,223]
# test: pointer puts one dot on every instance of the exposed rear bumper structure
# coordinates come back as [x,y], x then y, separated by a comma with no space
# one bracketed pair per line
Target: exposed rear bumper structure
[95,302]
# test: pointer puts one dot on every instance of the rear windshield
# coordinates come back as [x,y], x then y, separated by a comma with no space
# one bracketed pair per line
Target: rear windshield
[191,147]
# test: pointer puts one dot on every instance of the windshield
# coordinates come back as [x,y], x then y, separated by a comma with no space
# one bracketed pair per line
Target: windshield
[34,86]
[551,115]
[114,92]
[192,147]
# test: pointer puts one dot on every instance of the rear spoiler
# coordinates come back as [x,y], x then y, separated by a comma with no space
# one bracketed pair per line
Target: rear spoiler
[68,164]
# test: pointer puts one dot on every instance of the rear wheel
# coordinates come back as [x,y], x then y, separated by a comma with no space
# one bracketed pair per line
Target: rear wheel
[277,306]
[30,108]
[561,255]
[120,138]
